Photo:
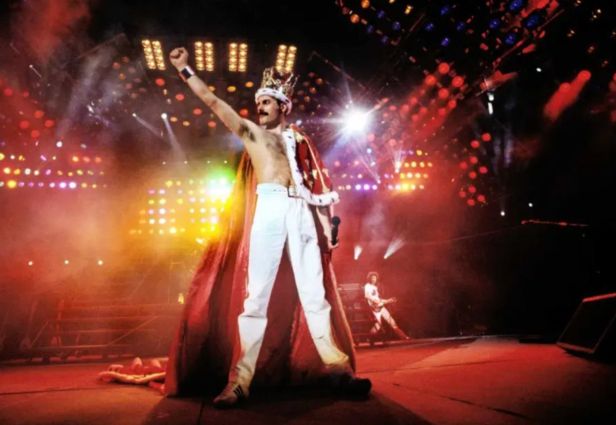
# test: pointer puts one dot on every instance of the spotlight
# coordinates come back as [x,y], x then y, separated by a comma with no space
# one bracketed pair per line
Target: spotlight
[164,115]
[356,121]
[538,69]
[502,213]
[394,245]
[357,252]
[134,115]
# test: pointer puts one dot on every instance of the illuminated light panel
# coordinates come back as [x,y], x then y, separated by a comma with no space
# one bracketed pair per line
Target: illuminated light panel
[238,57]
[285,58]
[204,56]
[243,61]
[153,54]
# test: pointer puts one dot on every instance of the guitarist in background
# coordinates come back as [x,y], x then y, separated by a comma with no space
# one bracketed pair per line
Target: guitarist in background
[377,306]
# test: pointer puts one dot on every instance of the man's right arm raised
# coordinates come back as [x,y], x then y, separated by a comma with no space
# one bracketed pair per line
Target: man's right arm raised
[228,116]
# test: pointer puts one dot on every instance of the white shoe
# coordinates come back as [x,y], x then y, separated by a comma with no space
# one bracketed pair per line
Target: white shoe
[230,396]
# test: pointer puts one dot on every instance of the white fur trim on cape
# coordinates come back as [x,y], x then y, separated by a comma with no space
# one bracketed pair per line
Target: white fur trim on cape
[266,91]
[313,199]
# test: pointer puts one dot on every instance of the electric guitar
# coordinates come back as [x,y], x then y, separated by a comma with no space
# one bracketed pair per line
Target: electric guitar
[378,306]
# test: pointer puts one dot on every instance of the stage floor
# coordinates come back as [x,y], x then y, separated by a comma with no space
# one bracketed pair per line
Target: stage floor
[487,380]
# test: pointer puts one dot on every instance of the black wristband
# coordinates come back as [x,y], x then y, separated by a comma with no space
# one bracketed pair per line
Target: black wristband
[186,73]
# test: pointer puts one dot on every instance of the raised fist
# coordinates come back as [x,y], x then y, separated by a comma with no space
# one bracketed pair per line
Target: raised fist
[179,58]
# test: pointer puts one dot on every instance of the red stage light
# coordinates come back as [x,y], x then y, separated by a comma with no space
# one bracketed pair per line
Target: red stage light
[179,97]
[462,194]
[473,160]
[483,169]
[457,81]
[197,111]
[472,175]
[443,68]
[35,134]
[584,75]
[463,165]
[472,189]
[442,112]
[413,100]
[486,137]
[8,92]
[24,124]
[211,124]
[475,144]
[39,114]
[49,123]
[443,93]
[471,202]
[481,198]
[160,82]
[244,112]
[452,104]
[430,80]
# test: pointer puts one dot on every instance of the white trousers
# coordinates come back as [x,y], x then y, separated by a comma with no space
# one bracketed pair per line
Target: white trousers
[279,219]
[381,315]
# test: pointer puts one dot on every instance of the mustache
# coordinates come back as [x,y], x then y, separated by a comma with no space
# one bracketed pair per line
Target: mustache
[263,113]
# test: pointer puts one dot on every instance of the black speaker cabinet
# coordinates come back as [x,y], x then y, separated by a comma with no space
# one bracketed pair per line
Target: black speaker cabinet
[592,329]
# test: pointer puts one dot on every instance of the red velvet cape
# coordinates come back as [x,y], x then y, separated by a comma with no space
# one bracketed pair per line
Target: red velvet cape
[207,341]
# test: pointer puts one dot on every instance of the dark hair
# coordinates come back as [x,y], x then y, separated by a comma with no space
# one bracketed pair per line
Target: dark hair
[370,274]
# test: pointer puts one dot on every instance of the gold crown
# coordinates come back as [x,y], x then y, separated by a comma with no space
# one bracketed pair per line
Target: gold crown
[284,84]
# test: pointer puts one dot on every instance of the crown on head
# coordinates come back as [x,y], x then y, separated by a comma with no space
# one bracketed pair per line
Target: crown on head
[283,84]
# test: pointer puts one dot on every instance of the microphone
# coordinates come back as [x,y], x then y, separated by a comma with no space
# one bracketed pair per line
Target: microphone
[335,222]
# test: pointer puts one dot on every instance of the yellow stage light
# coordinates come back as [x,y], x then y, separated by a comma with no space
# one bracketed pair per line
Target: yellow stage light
[11,184]
[285,58]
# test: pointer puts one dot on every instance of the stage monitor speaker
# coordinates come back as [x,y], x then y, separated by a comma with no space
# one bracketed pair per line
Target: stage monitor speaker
[592,329]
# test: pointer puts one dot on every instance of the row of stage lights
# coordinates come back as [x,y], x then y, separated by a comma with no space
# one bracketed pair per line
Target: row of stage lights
[27,177]
[190,207]
[366,187]
[14,184]
[204,54]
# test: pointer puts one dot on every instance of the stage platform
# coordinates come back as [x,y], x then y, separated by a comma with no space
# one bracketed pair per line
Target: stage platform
[486,380]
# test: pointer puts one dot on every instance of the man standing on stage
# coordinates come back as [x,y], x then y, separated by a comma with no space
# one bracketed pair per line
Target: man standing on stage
[377,306]
[282,216]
